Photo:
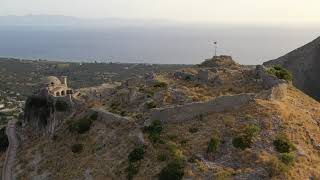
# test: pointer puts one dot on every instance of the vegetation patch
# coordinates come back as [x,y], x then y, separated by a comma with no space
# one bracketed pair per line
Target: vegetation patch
[151,105]
[77,148]
[173,171]
[193,130]
[287,158]
[280,72]
[213,145]
[246,137]
[4,142]
[83,125]
[154,131]
[160,85]
[283,145]
[61,106]
[276,167]
[135,156]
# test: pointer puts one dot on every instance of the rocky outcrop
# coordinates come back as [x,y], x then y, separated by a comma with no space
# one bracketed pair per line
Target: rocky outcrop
[192,110]
[304,63]
[39,114]
[219,61]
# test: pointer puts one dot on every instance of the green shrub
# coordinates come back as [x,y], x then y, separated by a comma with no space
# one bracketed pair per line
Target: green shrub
[80,126]
[173,171]
[61,106]
[94,116]
[242,142]
[283,145]
[160,85]
[162,157]
[154,131]
[4,142]
[193,130]
[132,170]
[246,137]
[287,158]
[137,154]
[77,148]
[276,167]
[151,105]
[213,145]
[280,72]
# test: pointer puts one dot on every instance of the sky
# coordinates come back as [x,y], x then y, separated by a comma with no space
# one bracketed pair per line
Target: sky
[263,12]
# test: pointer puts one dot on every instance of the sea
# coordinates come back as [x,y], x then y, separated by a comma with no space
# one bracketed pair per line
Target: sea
[187,44]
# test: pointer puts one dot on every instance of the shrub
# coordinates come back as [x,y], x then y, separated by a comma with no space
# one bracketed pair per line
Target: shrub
[242,142]
[213,145]
[287,158]
[162,157]
[246,137]
[61,106]
[160,85]
[137,154]
[280,72]
[132,170]
[173,171]
[4,142]
[276,167]
[283,145]
[77,148]
[80,126]
[154,131]
[193,130]
[151,105]
[94,116]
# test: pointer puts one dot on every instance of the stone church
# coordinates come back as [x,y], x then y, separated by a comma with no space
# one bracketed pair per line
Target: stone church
[56,87]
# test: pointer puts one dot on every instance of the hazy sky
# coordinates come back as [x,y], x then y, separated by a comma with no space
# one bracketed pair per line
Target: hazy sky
[204,11]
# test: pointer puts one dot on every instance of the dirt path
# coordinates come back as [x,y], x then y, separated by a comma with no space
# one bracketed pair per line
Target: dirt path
[11,151]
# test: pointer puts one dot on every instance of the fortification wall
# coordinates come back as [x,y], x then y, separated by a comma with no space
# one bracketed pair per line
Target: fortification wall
[276,88]
[189,111]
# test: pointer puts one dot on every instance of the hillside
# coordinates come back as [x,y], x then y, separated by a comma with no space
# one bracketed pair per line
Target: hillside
[304,63]
[212,121]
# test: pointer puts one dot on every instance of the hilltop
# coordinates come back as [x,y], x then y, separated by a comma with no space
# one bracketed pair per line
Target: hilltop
[216,120]
[304,63]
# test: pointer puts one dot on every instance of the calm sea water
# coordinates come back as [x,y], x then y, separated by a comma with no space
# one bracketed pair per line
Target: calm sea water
[185,44]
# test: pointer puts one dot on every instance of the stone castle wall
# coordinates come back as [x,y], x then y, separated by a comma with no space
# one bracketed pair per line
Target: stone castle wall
[192,110]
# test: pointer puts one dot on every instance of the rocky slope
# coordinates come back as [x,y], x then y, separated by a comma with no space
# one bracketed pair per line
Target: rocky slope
[204,122]
[304,63]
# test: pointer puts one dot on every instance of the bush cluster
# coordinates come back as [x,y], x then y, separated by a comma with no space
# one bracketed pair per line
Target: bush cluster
[287,158]
[213,145]
[173,171]
[135,156]
[245,139]
[4,142]
[160,85]
[280,72]
[61,106]
[154,131]
[83,125]
[283,145]
[77,148]
[151,105]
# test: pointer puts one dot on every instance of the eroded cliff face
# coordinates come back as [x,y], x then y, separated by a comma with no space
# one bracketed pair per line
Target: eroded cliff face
[304,63]
[39,114]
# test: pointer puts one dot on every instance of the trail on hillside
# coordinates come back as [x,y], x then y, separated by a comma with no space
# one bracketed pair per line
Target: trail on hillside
[11,151]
